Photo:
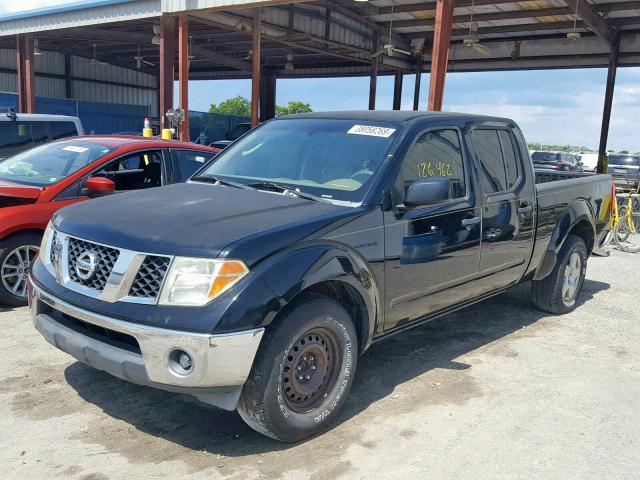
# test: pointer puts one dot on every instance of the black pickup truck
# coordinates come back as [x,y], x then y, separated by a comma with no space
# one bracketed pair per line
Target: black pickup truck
[258,284]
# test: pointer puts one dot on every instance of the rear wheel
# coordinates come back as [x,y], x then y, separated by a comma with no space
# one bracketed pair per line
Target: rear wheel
[302,372]
[559,291]
[16,258]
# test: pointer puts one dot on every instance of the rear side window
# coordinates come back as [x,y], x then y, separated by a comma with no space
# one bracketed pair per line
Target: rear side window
[498,159]
[187,162]
[16,137]
[436,153]
[63,130]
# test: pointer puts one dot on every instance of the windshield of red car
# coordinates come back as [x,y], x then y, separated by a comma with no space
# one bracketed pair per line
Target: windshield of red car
[49,163]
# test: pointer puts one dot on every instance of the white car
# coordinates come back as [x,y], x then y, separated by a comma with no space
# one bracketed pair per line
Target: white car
[589,161]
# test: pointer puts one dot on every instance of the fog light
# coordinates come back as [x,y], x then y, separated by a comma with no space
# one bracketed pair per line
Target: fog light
[180,362]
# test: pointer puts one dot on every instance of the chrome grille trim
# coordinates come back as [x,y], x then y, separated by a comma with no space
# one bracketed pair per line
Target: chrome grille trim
[117,286]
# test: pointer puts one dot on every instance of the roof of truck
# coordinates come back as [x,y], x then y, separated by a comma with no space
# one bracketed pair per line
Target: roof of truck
[395,116]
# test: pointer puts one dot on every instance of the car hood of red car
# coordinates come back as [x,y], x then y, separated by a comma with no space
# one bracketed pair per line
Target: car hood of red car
[17,190]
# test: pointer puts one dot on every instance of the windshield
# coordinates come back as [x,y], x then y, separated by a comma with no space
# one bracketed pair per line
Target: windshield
[624,160]
[333,159]
[50,163]
[544,157]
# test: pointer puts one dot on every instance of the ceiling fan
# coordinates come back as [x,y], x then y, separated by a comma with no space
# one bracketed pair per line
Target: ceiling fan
[139,59]
[389,48]
[472,40]
[94,60]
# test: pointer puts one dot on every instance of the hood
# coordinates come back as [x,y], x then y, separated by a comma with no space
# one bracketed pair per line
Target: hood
[13,194]
[196,219]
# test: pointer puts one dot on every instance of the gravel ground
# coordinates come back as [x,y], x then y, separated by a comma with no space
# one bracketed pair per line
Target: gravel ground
[498,390]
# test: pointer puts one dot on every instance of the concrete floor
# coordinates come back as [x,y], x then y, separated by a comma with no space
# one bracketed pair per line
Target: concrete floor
[499,390]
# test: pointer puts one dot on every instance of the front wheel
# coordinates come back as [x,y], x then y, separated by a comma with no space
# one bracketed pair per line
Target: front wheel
[626,234]
[17,255]
[302,372]
[559,291]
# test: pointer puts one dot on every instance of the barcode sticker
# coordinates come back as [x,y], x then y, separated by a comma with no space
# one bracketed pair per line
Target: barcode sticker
[371,130]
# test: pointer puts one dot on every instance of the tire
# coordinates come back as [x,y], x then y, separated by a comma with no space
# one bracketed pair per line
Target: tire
[626,233]
[552,294]
[289,407]
[13,271]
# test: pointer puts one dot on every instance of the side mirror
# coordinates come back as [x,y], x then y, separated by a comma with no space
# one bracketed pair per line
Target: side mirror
[98,187]
[427,191]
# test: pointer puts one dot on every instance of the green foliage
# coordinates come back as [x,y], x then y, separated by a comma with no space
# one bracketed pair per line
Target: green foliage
[558,148]
[233,106]
[293,107]
[624,152]
[242,106]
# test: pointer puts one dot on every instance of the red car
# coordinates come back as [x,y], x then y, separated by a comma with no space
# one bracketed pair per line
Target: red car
[36,183]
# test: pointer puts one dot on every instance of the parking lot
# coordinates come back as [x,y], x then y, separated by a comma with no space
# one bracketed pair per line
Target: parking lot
[498,390]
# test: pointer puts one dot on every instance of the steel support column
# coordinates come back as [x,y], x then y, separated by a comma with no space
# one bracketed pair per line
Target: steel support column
[183,74]
[397,90]
[416,89]
[608,102]
[26,73]
[255,67]
[373,84]
[267,95]
[167,57]
[440,55]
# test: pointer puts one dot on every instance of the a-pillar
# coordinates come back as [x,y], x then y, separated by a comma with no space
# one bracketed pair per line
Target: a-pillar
[440,55]
[255,68]
[397,90]
[267,95]
[167,66]
[608,102]
[183,74]
[26,73]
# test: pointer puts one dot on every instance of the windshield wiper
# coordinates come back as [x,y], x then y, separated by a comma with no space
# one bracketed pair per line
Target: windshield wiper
[275,187]
[218,181]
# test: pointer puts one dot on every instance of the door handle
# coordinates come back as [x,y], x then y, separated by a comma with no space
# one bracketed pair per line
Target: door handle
[468,223]
[524,208]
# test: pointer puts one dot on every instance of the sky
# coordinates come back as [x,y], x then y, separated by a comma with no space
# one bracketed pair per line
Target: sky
[551,106]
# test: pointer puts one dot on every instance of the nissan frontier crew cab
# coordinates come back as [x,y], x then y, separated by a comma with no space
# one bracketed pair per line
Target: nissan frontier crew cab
[258,284]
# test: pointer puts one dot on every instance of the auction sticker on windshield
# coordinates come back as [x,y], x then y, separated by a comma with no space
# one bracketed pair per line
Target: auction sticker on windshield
[371,131]
[75,149]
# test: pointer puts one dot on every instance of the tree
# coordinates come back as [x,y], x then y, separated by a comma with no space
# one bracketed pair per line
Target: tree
[233,106]
[624,152]
[293,107]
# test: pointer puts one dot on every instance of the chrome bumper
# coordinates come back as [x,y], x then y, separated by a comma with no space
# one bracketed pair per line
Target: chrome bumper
[217,360]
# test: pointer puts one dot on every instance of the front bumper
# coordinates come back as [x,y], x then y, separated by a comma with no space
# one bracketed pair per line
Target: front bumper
[143,355]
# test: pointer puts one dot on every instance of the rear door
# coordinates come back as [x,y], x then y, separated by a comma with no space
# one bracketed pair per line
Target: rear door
[508,202]
[432,252]
[185,162]
[134,171]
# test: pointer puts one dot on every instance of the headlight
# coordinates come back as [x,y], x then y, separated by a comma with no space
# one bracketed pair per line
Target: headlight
[197,281]
[45,240]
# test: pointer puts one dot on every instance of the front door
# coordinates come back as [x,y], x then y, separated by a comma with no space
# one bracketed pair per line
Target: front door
[507,208]
[432,252]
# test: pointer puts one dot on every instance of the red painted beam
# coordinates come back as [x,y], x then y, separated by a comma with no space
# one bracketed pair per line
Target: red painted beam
[255,68]
[167,72]
[183,74]
[440,55]
[26,74]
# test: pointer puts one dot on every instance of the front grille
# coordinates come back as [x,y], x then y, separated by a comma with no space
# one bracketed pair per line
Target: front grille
[105,259]
[150,276]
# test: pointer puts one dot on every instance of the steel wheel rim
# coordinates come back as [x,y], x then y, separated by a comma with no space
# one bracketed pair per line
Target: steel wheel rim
[572,274]
[15,269]
[310,369]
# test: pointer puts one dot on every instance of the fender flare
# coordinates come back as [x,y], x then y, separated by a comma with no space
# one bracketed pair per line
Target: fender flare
[576,212]
[296,269]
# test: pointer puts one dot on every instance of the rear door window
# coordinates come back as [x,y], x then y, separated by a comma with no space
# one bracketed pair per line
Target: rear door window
[186,162]
[493,174]
[63,130]
[16,137]
[507,142]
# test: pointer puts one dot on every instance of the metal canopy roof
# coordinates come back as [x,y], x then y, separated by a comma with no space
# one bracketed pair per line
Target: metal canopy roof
[338,37]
